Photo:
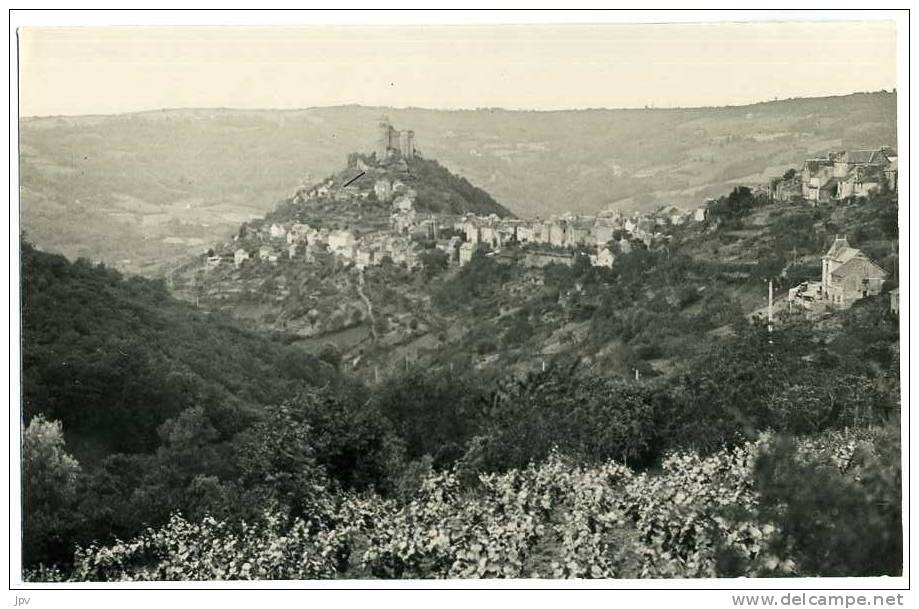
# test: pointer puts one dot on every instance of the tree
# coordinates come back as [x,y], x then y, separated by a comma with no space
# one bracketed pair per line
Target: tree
[434,262]
[49,482]
[435,413]
[278,464]
[587,417]
[330,354]
[349,437]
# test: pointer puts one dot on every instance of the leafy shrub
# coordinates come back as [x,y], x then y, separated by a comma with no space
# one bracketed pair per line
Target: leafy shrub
[746,510]
[587,417]
[836,505]
[434,413]
[49,485]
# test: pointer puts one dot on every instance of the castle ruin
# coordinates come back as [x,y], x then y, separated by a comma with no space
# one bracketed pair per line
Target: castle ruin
[392,142]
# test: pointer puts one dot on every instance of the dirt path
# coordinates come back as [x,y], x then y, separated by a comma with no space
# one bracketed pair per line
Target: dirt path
[368,303]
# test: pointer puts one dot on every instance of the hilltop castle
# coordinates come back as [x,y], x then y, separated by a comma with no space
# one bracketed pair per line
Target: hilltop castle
[391,142]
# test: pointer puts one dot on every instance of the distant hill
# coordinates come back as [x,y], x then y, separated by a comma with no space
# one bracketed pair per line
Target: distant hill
[138,190]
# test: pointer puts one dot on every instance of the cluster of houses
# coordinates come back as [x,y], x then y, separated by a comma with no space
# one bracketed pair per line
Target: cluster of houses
[554,240]
[558,238]
[848,275]
[839,175]
[301,241]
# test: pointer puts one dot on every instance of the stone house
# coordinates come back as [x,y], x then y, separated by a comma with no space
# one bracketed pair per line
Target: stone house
[471,230]
[298,233]
[604,257]
[466,251]
[364,256]
[488,234]
[578,233]
[403,203]
[382,188]
[846,161]
[539,232]
[524,233]
[849,173]
[558,233]
[849,275]
[240,256]
[341,243]
[277,231]
[860,181]
[818,180]
[403,222]
[787,190]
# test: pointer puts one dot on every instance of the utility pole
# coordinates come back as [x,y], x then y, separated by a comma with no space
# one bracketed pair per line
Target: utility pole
[770,305]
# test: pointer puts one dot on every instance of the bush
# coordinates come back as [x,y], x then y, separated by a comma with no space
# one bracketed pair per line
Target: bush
[589,418]
[49,484]
[434,413]
[835,521]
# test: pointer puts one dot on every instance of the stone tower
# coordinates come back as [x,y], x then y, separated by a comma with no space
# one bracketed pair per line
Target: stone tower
[407,144]
[391,143]
[385,139]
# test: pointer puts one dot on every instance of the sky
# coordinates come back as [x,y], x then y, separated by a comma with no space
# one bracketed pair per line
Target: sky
[99,70]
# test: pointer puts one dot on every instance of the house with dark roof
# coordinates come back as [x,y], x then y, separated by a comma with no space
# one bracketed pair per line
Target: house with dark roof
[849,275]
[862,171]
[861,181]
[818,182]
[846,160]
[848,173]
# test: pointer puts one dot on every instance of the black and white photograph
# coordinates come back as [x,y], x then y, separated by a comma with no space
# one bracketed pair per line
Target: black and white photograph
[512,300]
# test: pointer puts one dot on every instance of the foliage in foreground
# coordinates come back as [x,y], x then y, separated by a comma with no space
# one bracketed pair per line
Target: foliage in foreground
[736,512]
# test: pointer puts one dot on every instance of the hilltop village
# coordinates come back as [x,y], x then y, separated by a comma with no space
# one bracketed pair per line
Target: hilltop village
[371,214]
[390,226]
